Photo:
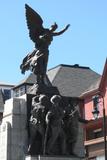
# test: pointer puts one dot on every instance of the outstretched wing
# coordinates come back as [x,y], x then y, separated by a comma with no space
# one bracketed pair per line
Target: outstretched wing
[34,23]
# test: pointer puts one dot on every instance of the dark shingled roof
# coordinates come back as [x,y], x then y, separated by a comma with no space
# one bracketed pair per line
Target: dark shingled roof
[93,87]
[31,79]
[73,80]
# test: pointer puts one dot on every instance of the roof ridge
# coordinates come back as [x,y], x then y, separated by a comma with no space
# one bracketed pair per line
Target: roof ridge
[53,67]
[23,80]
[95,72]
[72,66]
[75,66]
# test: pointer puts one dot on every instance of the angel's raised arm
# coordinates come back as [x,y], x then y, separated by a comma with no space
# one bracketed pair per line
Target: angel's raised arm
[61,32]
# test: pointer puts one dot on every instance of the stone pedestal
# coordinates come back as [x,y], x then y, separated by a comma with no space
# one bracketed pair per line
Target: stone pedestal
[52,158]
[13,131]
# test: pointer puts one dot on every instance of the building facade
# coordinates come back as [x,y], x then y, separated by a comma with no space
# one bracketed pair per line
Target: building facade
[95,102]
[6,92]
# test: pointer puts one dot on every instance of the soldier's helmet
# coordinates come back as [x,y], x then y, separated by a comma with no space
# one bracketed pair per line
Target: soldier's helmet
[56,99]
[43,98]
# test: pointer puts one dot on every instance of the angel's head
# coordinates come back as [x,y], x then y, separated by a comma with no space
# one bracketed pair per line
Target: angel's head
[53,27]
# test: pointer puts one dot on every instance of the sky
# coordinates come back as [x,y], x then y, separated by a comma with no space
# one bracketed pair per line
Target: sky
[84,43]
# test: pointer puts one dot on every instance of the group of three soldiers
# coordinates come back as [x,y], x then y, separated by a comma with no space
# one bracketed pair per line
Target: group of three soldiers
[47,119]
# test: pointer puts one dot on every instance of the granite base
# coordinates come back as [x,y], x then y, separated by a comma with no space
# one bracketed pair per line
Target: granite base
[52,158]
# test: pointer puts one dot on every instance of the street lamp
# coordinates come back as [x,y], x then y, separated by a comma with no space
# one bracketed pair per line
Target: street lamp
[96,113]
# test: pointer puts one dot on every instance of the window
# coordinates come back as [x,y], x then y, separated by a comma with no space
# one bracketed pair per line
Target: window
[98,133]
[19,91]
[16,93]
[22,90]
[93,134]
[7,94]
[100,157]
[1,116]
[92,158]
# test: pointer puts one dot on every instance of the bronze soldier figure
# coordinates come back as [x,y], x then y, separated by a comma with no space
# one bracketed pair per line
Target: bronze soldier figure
[37,124]
[55,116]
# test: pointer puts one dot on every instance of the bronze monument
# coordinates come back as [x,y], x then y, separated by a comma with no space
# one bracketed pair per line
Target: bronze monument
[50,119]
[42,37]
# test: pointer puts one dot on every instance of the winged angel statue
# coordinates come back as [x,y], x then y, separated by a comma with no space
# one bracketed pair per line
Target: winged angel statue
[42,37]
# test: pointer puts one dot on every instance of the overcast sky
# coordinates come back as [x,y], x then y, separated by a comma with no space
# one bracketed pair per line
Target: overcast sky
[84,43]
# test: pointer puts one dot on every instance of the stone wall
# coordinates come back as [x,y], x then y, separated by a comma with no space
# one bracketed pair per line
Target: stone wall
[13,130]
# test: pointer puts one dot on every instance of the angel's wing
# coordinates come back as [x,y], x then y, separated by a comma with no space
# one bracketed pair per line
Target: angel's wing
[34,23]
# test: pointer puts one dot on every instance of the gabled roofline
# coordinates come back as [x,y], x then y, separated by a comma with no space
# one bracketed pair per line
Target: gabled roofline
[21,84]
[89,93]
[99,89]
[6,84]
